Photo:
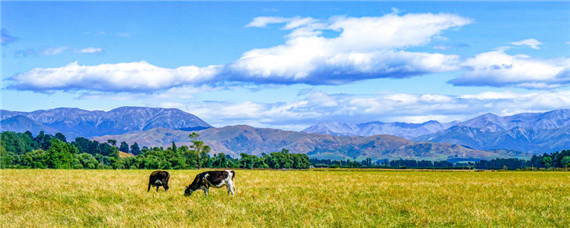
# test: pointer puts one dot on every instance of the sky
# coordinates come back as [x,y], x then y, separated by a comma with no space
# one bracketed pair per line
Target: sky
[289,65]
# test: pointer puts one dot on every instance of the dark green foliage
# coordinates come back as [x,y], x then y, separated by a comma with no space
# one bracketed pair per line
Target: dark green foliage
[61,155]
[135,149]
[60,136]
[18,143]
[124,147]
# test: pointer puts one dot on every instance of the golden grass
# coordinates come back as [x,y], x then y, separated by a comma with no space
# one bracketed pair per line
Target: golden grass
[268,198]
[125,155]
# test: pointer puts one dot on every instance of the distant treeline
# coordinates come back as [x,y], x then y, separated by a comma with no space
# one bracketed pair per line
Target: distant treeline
[545,161]
[23,150]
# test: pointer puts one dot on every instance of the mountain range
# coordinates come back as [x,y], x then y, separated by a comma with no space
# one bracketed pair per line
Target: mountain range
[531,132]
[485,136]
[405,130]
[74,122]
[234,140]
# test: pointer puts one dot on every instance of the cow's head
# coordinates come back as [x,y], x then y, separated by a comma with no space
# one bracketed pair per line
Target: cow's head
[189,190]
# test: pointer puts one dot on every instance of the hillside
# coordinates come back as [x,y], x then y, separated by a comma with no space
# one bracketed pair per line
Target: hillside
[74,122]
[233,140]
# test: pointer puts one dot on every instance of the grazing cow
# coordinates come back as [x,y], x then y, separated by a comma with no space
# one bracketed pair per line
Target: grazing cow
[215,179]
[159,178]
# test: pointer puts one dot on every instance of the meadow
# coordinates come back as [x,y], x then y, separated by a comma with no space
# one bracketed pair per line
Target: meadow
[273,198]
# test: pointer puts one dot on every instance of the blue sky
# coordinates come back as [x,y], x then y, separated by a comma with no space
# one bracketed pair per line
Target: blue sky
[289,65]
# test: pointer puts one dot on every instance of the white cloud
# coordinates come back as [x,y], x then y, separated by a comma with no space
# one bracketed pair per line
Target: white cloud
[367,47]
[133,77]
[532,43]
[499,69]
[90,50]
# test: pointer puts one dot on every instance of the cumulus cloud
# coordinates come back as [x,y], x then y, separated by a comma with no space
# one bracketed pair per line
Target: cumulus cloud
[499,69]
[532,43]
[132,77]
[365,48]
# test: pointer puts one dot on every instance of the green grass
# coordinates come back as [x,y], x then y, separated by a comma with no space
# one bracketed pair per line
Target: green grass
[268,198]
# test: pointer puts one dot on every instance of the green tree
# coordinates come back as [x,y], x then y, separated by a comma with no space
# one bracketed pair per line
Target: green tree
[135,149]
[565,162]
[43,140]
[88,161]
[112,142]
[199,147]
[61,155]
[124,147]
[547,160]
[201,150]
[61,137]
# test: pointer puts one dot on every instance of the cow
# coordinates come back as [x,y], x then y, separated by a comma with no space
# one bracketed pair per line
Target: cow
[159,178]
[215,179]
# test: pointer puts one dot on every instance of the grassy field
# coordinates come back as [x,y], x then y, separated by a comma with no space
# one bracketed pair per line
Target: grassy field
[267,198]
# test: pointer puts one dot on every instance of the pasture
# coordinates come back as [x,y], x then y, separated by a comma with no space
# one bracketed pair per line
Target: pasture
[270,198]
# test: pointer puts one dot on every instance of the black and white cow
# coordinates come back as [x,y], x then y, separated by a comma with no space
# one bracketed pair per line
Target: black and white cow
[159,178]
[215,179]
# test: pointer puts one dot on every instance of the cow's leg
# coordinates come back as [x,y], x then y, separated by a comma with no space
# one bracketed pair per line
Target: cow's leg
[148,190]
[231,188]
[157,188]
[206,191]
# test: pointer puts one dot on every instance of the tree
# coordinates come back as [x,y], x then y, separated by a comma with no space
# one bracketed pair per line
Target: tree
[124,147]
[61,137]
[565,162]
[199,147]
[193,136]
[547,160]
[135,149]
[112,142]
[43,140]
[61,155]
[201,150]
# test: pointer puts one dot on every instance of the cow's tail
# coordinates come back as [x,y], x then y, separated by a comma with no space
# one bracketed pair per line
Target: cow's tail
[233,174]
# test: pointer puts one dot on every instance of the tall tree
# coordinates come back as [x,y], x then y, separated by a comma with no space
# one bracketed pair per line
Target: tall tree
[60,136]
[124,147]
[565,162]
[135,149]
[201,150]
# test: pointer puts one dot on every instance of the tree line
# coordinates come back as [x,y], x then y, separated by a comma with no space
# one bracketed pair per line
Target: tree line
[545,161]
[23,150]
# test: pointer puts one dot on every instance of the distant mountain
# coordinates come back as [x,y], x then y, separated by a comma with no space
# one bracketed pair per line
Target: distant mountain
[531,132]
[547,120]
[23,124]
[74,122]
[233,140]
[405,130]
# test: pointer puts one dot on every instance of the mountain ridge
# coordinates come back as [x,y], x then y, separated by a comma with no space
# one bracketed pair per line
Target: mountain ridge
[78,122]
[234,140]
